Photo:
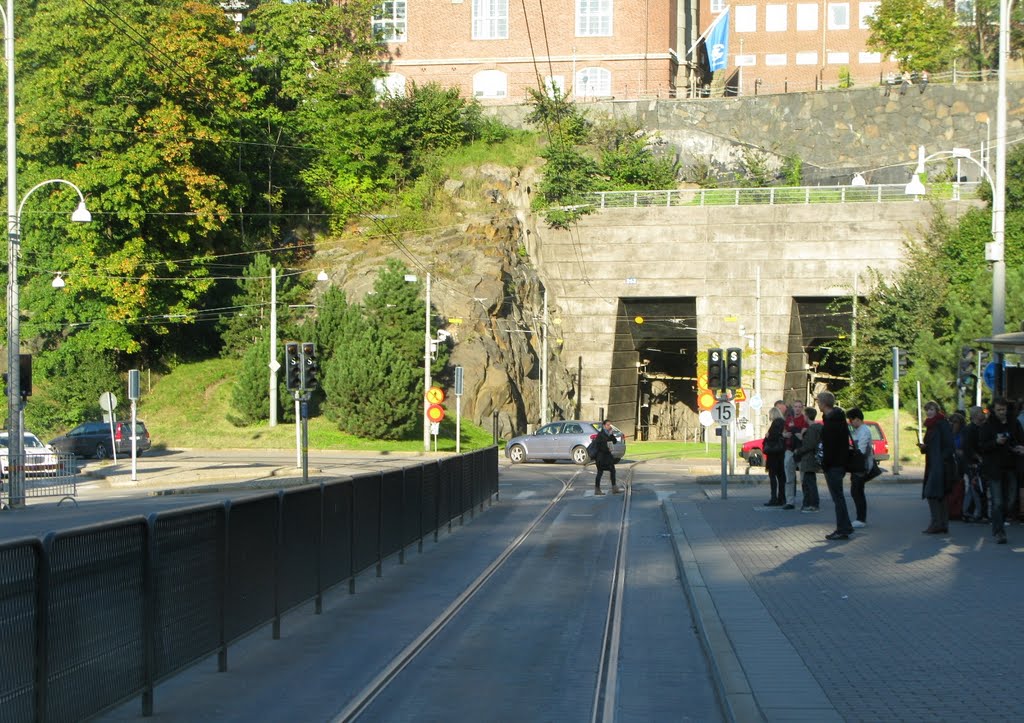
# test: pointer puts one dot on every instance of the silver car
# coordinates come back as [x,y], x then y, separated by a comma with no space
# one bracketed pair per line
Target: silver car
[561,440]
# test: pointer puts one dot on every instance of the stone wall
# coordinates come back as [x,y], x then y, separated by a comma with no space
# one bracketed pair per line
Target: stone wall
[835,133]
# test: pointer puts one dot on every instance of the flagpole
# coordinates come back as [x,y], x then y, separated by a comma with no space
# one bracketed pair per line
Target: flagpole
[704,35]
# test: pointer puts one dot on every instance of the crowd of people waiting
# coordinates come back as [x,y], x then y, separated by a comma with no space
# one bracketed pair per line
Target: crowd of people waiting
[974,462]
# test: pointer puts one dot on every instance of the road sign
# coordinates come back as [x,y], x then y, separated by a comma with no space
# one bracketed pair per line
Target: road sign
[756,402]
[133,385]
[705,400]
[740,395]
[108,402]
[435,395]
[458,381]
[724,412]
[706,418]
[989,375]
[274,365]
[435,427]
[435,413]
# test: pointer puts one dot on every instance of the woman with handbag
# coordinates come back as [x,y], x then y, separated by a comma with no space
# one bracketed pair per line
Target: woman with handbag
[939,467]
[774,447]
[861,438]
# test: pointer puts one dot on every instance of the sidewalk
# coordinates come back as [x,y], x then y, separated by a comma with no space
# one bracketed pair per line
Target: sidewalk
[889,625]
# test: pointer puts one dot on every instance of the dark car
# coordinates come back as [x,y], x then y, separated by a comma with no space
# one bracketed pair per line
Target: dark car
[561,440]
[95,439]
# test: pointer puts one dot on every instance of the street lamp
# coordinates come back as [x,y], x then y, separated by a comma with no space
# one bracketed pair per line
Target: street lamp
[994,249]
[426,363]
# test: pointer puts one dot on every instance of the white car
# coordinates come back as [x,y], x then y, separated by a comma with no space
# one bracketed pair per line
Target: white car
[40,459]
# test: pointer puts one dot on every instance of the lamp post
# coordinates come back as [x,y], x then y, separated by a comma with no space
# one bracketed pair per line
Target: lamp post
[993,249]
[411,278]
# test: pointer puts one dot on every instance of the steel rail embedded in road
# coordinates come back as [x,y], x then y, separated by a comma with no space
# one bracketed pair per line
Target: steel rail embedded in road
[604,698]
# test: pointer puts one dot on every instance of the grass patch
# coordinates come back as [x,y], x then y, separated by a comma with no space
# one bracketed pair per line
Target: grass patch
[190,407]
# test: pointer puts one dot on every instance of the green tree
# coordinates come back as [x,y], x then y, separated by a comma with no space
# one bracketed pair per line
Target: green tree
[72,378]
[248,319]
[627,160]
[919,34]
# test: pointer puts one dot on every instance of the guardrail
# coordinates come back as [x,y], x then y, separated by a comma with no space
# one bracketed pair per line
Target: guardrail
[95,616]
[46,475]
[775,195]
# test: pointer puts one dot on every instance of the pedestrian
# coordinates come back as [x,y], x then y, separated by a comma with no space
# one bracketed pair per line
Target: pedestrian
[975,507]
[923,81]
[774,447]
[861,436]
[904,82]
[603,457]
[890,81]
[955,499]
[794,425]
[807,459]
[999,445]
[778,411]
[939,467]
[835,445]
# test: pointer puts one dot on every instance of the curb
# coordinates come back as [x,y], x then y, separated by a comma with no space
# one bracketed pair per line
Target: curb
[731,681]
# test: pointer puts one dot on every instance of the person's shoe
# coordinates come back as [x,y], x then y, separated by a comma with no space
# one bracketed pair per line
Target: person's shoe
[616,490]
[858,523]
[598,492]
[1001,539]
[810,508]
[788,507]
[930,530]
[772,503]
[837,535]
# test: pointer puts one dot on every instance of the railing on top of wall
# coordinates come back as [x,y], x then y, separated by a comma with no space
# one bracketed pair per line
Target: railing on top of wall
[776,195]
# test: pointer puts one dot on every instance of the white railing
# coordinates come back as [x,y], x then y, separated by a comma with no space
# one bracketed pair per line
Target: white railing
[774,195]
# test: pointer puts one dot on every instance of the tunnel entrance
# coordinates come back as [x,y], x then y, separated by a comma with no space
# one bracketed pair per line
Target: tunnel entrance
[654,376]
[814,363]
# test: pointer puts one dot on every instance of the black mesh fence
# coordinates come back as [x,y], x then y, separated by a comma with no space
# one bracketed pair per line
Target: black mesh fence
[93,616]
[189,585]
[19,581]
[94,651]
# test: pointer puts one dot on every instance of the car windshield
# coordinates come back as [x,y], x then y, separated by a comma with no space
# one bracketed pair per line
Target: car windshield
[31,441]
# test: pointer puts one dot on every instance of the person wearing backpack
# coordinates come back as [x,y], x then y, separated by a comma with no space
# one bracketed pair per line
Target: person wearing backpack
[603,458]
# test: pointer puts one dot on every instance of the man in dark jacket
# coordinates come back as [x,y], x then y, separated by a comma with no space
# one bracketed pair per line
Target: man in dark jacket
[835,443]
[807,461]
[999,443]
[604,459]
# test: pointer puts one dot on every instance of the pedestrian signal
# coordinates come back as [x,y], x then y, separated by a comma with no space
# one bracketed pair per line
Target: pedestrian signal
[293,367]
[716,370]
[967,371]
[733,368]
[310,367]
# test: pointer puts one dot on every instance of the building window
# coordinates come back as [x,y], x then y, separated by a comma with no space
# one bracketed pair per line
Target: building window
[965,12]
[593,17]
[775,59]
[490,84]
[807,57]
[775,18]
[746,18]
[593,83]
[866,11]
[869,58]
[717,6]
[838,58]
[838,16]
[806,16]
[389,21]
[746,60]
[490,19]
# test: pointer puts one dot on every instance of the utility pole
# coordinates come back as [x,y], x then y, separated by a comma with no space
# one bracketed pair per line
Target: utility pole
[273,346]
[426,370]
[544,364]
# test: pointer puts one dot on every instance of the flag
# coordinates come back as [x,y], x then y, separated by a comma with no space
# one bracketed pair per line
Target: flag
[717,43]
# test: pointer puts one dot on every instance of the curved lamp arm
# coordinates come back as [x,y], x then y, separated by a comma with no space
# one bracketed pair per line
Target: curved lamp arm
[81,214]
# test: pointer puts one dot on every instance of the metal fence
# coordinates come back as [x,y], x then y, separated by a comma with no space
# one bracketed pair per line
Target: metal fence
[49,475]
[775,195]
[95,616]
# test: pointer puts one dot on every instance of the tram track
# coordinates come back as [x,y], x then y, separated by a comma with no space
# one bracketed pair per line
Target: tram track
[603,704]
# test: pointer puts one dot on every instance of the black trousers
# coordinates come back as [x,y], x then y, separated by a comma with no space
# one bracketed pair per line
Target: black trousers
[600,471]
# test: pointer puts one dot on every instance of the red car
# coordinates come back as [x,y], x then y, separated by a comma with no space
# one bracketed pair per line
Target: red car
[754,456]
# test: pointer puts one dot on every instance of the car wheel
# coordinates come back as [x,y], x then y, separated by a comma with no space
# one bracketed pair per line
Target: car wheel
[101,451]
[517,454]
[579,455]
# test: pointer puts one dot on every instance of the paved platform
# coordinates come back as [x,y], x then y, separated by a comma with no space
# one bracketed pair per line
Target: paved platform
[891,625]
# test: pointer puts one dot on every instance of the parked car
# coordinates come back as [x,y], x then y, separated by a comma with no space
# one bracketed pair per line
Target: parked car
[40,459]
[754,455]
[561,440]
[94,439]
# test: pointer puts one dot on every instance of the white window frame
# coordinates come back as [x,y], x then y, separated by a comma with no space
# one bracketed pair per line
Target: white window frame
[865,11]
[593,82]
[717,6]
[866,58]
[776,59]
[394,26]
[594,18]
[807,57]
[838,57]
[835,22]
[776,18]
[806,16]
[490,84]
[490,19]
[747,60]
[746,19]
[392,84]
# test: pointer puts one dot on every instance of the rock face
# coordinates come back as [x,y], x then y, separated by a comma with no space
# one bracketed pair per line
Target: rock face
[486,294]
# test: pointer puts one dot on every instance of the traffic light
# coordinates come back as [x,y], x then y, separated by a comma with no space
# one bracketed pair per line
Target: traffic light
[902,363]
[733,368]
[716,370]
[25,374]
[310,367]
[966,375]
[293,367]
